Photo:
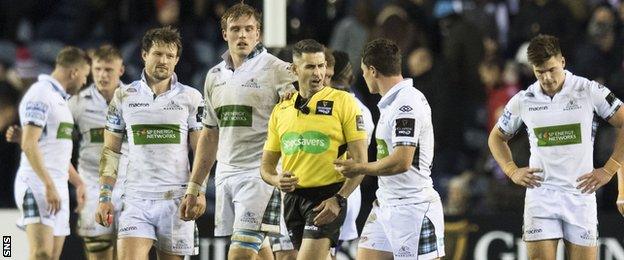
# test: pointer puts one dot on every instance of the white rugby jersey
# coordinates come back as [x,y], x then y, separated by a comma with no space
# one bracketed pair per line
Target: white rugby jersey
[405,120]
[157,128]
[561,129]
[45,105]
[89,109]
[240,102]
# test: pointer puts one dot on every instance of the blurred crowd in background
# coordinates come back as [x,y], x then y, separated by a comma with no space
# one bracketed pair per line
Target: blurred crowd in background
[467,56]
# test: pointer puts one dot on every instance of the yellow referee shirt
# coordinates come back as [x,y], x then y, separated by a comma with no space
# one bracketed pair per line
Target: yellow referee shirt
[309,143]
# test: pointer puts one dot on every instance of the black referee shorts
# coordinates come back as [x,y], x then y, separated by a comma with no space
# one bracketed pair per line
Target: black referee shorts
[299,214]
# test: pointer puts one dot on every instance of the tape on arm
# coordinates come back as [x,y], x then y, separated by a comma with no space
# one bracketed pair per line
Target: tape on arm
[109,163]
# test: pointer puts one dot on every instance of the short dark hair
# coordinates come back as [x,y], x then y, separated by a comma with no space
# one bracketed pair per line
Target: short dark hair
[240,10]
[329,57]
[107,53]
[384,55]
[542,48]
[71,56]
[162,35]
[307,46]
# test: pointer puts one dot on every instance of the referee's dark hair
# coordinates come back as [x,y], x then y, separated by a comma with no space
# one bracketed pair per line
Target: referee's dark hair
[384,55]
[307,46]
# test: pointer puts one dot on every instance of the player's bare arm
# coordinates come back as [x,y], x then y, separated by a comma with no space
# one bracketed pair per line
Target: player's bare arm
[524,176]
[590,182]
[76,180]
[204,146]
[30,147]
[397,162]
[108,176]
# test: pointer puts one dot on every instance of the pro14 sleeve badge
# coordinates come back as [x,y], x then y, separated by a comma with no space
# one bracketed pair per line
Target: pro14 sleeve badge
[405,127]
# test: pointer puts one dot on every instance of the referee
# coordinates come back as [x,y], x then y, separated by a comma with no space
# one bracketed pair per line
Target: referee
[309,131]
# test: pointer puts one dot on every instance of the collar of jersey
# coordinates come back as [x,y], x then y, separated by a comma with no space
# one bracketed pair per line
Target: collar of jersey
[172,88]
[55,85]
[259,49]
[566,88]
[317,96]
[389,97]
[95,92]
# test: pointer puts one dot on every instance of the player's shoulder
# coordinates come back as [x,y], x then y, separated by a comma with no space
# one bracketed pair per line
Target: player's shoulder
[189,91]
[409,96]
[41,90]
[216,68]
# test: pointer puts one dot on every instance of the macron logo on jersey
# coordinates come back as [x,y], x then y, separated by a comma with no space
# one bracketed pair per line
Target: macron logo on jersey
[538,108]
[135,105]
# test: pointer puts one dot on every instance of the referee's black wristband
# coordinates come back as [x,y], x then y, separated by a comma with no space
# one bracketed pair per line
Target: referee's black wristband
[342,201]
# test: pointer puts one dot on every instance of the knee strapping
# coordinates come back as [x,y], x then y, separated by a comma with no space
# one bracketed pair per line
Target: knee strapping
[98,244]
[247,239]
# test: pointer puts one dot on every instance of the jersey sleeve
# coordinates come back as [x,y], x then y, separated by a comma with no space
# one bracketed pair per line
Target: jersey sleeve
[273,139]
[510,121]
[604,101]
[209,115]
[196,111]
[352,120]
[35,110]
[114,117]
[284,77]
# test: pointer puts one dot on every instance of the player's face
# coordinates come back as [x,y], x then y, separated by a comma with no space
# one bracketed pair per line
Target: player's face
[329,73]
[78,77]
[160,60]
[310,70]
[242,35]
[367,73]
[106,73]
[550,74]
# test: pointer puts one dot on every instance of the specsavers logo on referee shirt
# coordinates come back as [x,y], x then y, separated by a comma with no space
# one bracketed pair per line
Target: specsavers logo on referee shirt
[156,134]
[558,135]
[309,142]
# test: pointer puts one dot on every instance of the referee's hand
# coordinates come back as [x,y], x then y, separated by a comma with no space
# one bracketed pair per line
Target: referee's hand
[287,182]
[328,211]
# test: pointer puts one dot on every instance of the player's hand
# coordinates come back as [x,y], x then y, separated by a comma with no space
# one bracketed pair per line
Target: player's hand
[187,207]
[104,214]
[14,134]
[349,168]
[53,199]
[201,205]
[287,95]
[329,210]
[590,182]
[526,177]
[620,203]
[286,182]
[80,197]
